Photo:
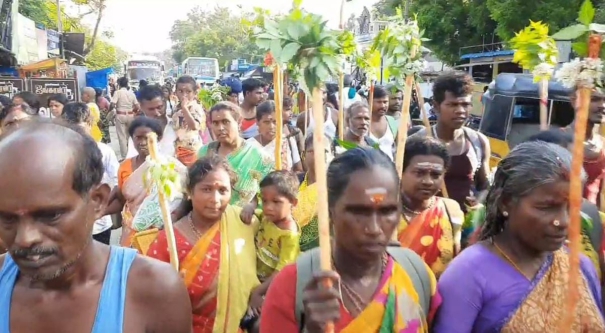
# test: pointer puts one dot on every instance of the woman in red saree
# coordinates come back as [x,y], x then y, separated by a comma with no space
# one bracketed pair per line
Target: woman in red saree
[215,248]
[430,225]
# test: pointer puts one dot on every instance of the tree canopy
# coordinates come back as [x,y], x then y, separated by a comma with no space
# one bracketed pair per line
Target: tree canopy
[217,33]
[99,52]
[453,24]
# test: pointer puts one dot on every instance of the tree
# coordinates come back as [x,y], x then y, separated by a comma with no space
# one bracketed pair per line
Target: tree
[93,7]
[216,33]
[514,15]
[453,24]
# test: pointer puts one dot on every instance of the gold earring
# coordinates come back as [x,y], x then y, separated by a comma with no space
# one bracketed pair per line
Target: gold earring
[505,214]
[556,223]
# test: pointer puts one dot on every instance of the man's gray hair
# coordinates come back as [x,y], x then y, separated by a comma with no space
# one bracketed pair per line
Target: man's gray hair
[528,166]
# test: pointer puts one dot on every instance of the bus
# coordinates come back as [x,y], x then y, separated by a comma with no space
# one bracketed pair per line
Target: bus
[204,70]
[146,68]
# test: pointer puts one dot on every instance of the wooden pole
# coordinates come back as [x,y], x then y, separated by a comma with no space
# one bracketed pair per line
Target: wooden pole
[341,102]
[278,83]
[575,193]
[152,143]
[322,189]
[602,193]
[544,105]
[341,82]
[371,102]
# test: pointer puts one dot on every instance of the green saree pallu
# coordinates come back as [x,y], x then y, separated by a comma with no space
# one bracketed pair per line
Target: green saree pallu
[250,163]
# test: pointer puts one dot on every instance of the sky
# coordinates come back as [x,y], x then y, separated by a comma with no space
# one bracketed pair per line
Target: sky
[143,25]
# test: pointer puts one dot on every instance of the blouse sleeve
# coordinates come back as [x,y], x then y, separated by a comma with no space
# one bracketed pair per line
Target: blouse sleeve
[461,295]
[277,315]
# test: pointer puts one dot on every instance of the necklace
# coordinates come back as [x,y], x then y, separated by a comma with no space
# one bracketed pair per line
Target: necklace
[358,301]
[197,233]
[418,212]
[503,254]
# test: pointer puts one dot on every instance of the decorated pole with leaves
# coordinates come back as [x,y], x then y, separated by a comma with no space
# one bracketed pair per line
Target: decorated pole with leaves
[400,44]
[537,52]
[341,82]
[163,175]
[302,39]
[583,74]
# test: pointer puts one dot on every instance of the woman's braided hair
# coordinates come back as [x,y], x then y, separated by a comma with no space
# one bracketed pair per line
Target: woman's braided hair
[528,166]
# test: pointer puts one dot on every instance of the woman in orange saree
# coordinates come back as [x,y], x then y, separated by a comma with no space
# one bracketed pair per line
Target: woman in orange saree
[430,225]
[215,249]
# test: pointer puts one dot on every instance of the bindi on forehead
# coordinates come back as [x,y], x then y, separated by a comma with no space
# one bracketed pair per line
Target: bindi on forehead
[376,195]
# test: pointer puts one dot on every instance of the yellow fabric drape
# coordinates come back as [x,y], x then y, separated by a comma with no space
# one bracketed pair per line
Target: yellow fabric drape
[237,271]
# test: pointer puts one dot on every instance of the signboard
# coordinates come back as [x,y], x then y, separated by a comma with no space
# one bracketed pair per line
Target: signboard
[53,40]
[44,88]
[10,86]
[144,64]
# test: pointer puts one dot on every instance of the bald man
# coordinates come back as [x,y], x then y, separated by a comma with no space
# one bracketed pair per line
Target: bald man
[89,96]
[55,278]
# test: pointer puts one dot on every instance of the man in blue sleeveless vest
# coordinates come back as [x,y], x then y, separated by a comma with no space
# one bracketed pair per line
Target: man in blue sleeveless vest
[55,278]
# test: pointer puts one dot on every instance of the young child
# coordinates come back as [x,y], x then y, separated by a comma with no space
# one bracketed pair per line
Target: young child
[277,239]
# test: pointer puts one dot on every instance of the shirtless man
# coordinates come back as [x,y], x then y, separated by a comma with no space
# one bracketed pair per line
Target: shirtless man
[466,179]
[55,278]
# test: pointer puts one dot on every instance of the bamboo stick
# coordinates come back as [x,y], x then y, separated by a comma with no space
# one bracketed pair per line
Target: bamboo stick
[341,82]
[602,193]
[322,189]
[341,102]
[544,105]
[278,85]
[371,102]
[152,143]
[575,192]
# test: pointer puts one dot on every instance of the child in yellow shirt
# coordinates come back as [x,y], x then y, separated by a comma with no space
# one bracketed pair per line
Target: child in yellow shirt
[278,236]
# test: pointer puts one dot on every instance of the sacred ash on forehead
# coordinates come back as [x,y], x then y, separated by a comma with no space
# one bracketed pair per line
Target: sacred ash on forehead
[429,165]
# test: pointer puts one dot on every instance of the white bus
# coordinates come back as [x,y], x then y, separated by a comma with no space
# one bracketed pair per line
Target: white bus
[146,68]
[203,70]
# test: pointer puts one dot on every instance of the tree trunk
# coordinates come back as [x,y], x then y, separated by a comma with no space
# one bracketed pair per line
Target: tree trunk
[95,32]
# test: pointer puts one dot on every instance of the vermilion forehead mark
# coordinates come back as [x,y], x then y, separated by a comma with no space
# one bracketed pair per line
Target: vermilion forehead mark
[376,194]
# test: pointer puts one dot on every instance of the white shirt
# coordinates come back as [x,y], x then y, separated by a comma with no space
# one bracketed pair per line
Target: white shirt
[293,157]
[110,177]
[165,146]
[386,143]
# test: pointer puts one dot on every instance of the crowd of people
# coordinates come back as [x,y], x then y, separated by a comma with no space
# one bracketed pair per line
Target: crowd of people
[247,234]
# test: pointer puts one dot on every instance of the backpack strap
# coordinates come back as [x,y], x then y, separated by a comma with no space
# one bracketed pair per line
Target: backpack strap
[476,143]
[306,265]
[418,272]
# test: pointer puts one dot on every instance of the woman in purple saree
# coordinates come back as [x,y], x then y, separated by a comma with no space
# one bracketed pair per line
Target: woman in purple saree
[514,280]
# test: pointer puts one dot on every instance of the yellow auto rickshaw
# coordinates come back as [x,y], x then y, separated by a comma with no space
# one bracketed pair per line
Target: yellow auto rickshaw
[512,111]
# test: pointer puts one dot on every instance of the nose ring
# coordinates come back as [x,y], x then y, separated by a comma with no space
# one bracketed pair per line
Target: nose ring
[556,223]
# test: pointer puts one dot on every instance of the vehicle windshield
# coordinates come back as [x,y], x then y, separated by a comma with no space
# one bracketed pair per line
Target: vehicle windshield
[199,67]
[149,74]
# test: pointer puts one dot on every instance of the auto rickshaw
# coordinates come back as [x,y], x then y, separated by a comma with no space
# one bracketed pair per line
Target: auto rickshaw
[512,111]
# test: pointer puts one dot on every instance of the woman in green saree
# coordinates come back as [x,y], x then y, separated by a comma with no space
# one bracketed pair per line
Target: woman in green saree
[250,163]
